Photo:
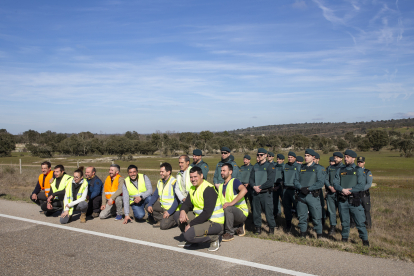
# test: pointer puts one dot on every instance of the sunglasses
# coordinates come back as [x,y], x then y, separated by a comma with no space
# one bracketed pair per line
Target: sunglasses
[260,154]
[224,152]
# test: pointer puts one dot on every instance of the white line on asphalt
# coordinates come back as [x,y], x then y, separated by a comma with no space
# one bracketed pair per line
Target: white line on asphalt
[162,246]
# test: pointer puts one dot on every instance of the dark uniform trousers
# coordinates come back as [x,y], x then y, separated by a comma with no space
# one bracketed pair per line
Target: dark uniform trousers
[94,205]
[158,215]
[346,212]
[277,209]
[263,201]
[288,201]
[332,203]
[41,198]
[205,232]
[56,204]
[313,205]
[366,204]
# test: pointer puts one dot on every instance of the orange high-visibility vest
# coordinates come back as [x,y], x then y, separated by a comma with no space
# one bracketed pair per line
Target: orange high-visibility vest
[46,186]
[110,187]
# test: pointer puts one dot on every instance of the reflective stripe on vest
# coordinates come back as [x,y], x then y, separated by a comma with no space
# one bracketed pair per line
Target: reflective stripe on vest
[197,199]
[180,181]
[66,180]
[46,180]
[69,196]
[241,204]
[110,187]
[166,193]
[134,191]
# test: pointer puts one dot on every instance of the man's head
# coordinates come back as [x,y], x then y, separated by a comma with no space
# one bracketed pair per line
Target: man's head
[299,159]
[183,162]
[225,152]
[246,160]
[196,176]
[309,156]
[165,170]
[90,172]
[226,171]
[332,161]
[316,157]
[46,166]
[338,157]
[361,162]
[270,156]
[350,156]
[291,157]
[261,155]
[114,170]
[197,155]
[58,171]
[280,158]
[132,172]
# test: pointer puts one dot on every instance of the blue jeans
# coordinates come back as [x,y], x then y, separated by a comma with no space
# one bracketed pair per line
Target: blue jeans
[138,208]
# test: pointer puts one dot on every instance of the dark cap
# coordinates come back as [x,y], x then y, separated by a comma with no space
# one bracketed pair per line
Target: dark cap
[197,152]
[280,156]
[351,153]
[331,159]
[299,158]
[317,156]
[247,157]
[270,154]
[291,153]
[310,152]
[225,149]
[337,153]
[361,159]
[261,150]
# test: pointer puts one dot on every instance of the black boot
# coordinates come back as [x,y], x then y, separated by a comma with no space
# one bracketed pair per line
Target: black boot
[288,226]
[331,230]
[257,230]
[303,234]
[344,240]
[365,243]
[271,231]
[318,236]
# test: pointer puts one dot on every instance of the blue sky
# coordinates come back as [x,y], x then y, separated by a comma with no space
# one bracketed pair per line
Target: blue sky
[114,66]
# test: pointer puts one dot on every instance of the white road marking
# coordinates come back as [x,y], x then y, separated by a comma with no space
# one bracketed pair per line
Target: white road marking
[167,247]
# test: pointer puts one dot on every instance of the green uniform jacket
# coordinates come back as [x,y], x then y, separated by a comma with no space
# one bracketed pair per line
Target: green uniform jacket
[270,180]
[320,177]
[217,173]
[368,179]
[203,166]
[295,177]
[329,179]
[279,172]
[244,173]
[360,179]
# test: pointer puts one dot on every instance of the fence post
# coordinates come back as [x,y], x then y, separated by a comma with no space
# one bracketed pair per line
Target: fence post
[20,162]
[78,163]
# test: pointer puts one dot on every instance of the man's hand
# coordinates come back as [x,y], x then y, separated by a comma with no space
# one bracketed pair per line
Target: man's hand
[149,209]
[87,197]
[257,189]
[49,199]
[246,185]
[127,219]
[102,207]
[49,206]
[304,191]
[64,214]
[184,199]
[332,189]
[217,185]
[110,201]
[227,204]
[137,199]
[166,214]
[34,196]
[183,217]
[346,191]
[186,228]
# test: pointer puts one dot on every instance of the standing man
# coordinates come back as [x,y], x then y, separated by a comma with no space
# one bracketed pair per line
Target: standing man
[316,159]
[278,187]
[198,162]
[94,192]
[136,193]
[311,180]
[205,222]
[244,176]
[111,194]
[290,179]
[41,191]
[366,197]
[270,157]
[262,179]
[226,157]
[349,183]
[231,194]
[331,197]
[183,178]
[164,209]
[56,194]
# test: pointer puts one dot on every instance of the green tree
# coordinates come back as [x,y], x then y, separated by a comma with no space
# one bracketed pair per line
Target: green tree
[341,144]
[378,139]
[7,143]
[118,145]
[364,144]
[406,146]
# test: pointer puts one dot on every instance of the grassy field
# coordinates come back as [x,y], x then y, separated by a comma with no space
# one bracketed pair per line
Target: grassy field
[391,198]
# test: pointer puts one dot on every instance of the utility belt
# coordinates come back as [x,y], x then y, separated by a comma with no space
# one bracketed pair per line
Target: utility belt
[270,190]
[277,186]
[353,199]
[314,193]
[289,188]
[365,193]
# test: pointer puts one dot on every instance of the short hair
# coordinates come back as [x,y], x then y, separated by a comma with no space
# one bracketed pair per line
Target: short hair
[197,170]
[79,170]
[132,167]
[115,166]
[167,166]
[93,169]
[186,158]
[60,167]
[230,166]
[46,163]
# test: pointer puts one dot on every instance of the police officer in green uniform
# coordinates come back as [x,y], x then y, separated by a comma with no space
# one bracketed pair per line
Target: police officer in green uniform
[331,200]
[366,198]
[226,157]
[311,179]
[278,189]
[199,162]
[271,157]
[299,160]
[244,177]
[290,176]
[262,179]
[349,182]
[316,159]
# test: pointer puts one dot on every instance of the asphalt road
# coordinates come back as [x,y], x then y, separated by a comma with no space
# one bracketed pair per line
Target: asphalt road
[28,247]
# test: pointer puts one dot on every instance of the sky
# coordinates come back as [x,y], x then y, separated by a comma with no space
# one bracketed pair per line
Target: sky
[178,66]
